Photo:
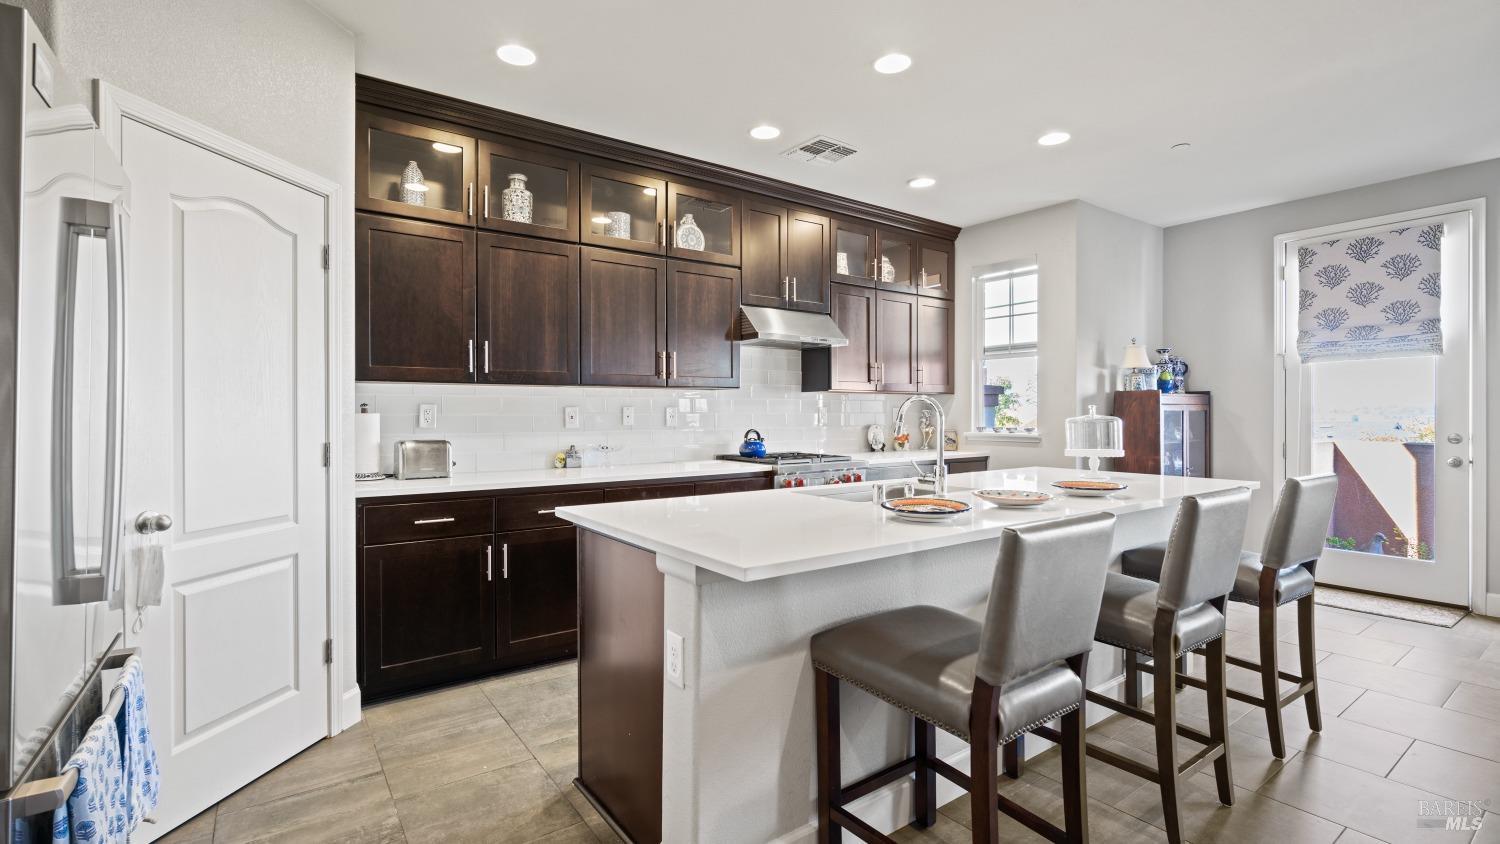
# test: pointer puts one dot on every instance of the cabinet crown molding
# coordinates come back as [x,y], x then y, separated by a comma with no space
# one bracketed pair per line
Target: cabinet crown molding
[419,103]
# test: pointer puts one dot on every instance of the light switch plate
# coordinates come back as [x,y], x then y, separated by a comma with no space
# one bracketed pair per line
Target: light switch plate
[570,417]
[627,417]
[427,416]
[671,417]
[674,659]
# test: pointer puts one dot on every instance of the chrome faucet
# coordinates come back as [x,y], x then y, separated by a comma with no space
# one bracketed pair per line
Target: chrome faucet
[940,471]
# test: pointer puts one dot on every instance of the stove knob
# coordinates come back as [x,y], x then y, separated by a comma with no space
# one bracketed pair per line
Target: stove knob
[786,482]
[801,482]
[858,477]
[847,477]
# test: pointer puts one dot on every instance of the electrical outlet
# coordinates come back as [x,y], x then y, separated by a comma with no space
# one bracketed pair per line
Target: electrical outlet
[674,659]
[627,417]
[570,417]
[427,416]
[671,417]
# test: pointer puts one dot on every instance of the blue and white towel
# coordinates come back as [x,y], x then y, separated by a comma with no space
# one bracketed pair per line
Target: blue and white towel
[118,777]
[96,810]
[138,754]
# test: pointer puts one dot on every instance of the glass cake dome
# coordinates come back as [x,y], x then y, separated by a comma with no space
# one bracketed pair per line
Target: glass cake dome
[1094,436]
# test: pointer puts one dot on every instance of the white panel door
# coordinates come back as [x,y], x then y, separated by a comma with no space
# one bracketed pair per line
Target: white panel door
[226,423]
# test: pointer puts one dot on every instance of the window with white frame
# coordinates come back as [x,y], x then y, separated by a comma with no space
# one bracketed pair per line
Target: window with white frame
[1007,314]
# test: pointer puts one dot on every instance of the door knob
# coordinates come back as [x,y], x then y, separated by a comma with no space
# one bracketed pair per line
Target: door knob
[1456,462]
[150,521]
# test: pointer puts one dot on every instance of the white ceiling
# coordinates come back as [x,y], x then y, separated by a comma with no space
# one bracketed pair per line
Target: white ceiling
[1279,98]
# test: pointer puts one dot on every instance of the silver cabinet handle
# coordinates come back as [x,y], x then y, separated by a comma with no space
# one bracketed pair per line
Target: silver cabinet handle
[671,234]
[486,357]
[794,289]
[486,202]
[674,365]
[489,563]
[471,357]
[505,561]
[919,376]
[546,512]
[786,282]
[880,381]
[471,199]
[870,376]
[661,360]
[433,521]
[661,233]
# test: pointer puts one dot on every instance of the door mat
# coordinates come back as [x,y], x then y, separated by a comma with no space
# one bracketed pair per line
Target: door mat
[1434,614]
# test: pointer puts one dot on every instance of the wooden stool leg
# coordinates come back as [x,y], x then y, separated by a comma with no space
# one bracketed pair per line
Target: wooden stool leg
[926,791]
[830,781]
[1014,753]
[1164,708]
[1270,686]
[1182,668]
[1218,718]
[1132,679]
[984,763]
[1075,789]
[1307,650]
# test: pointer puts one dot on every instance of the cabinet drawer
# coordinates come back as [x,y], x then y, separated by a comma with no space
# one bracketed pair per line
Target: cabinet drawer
[644,493]
[386,523]
[519,512]
[745,485]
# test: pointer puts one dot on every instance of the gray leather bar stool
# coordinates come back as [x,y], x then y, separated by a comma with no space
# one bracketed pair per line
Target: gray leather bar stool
[1183,613]
[1282,573]
[985,683]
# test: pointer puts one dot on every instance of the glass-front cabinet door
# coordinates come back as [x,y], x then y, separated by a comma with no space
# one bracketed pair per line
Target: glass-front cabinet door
[898,260]
[935,269]
[527,191]
[624,210]
[1173,441]
[703,224]
[414,171]
[1195,449]
[854,257]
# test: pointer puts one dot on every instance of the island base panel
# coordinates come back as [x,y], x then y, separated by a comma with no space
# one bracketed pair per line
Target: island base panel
[620,614]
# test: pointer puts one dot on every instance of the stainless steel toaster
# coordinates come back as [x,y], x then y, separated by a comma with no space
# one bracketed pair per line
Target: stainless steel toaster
[423,459]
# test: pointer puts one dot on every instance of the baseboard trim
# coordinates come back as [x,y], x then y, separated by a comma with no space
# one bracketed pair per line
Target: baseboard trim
[890,808]
[1491,604]
[350,709]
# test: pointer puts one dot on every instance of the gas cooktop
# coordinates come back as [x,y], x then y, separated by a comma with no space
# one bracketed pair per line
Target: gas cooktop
[790,458]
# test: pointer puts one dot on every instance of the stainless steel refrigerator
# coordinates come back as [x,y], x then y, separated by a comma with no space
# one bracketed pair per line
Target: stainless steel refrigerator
[63,203]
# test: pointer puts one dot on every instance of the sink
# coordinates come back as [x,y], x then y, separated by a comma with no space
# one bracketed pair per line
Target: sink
[837,493]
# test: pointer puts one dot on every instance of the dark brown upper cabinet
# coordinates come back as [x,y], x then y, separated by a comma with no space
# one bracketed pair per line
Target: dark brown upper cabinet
[898,261]
[895,342]
[415,171]
[703,224]
[525,190]
[624,319]
[853,367]
[528,311]
[703,305]
[414,300]
[623,210]
[785,258]
[935,268]
[855,257]
[934,345]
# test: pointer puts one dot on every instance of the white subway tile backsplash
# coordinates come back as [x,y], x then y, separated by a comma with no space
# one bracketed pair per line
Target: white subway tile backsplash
[500,428]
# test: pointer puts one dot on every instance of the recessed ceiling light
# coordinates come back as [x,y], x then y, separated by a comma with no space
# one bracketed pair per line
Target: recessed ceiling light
[448,148]
[1052,139]
[764,132]
[516,54]
[922,182]
[893,63]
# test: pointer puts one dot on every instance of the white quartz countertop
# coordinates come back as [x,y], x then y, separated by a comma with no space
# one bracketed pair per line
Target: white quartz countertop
[524,478]
[877,458]
[771,533]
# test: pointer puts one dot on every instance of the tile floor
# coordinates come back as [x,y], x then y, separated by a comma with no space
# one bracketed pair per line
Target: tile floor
[1411,712]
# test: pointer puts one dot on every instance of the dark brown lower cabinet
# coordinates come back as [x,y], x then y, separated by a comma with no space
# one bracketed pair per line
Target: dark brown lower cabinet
[539,590]
[428,611]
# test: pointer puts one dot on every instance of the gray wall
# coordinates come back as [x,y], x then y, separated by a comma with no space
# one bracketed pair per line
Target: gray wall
[41,13]
[1218,314]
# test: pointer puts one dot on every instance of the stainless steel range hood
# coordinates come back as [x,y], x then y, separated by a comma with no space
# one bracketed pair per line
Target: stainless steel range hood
[788,329]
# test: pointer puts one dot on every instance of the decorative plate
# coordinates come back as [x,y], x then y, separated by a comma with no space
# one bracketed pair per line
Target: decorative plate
[1090,489]
[1013,497]
[875,437]
[925,509]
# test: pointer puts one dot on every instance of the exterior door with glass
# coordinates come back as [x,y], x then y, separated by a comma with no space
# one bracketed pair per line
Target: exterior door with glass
[1378,379]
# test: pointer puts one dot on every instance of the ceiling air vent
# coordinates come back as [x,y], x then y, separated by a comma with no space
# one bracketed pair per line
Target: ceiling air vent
[820,150]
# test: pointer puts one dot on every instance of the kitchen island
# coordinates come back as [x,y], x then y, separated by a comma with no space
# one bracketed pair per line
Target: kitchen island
[695,685]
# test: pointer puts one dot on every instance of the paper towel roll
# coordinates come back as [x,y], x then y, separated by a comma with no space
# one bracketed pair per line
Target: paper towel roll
[366,444]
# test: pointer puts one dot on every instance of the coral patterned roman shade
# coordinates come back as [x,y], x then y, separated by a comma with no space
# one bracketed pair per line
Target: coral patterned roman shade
[1371,296]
